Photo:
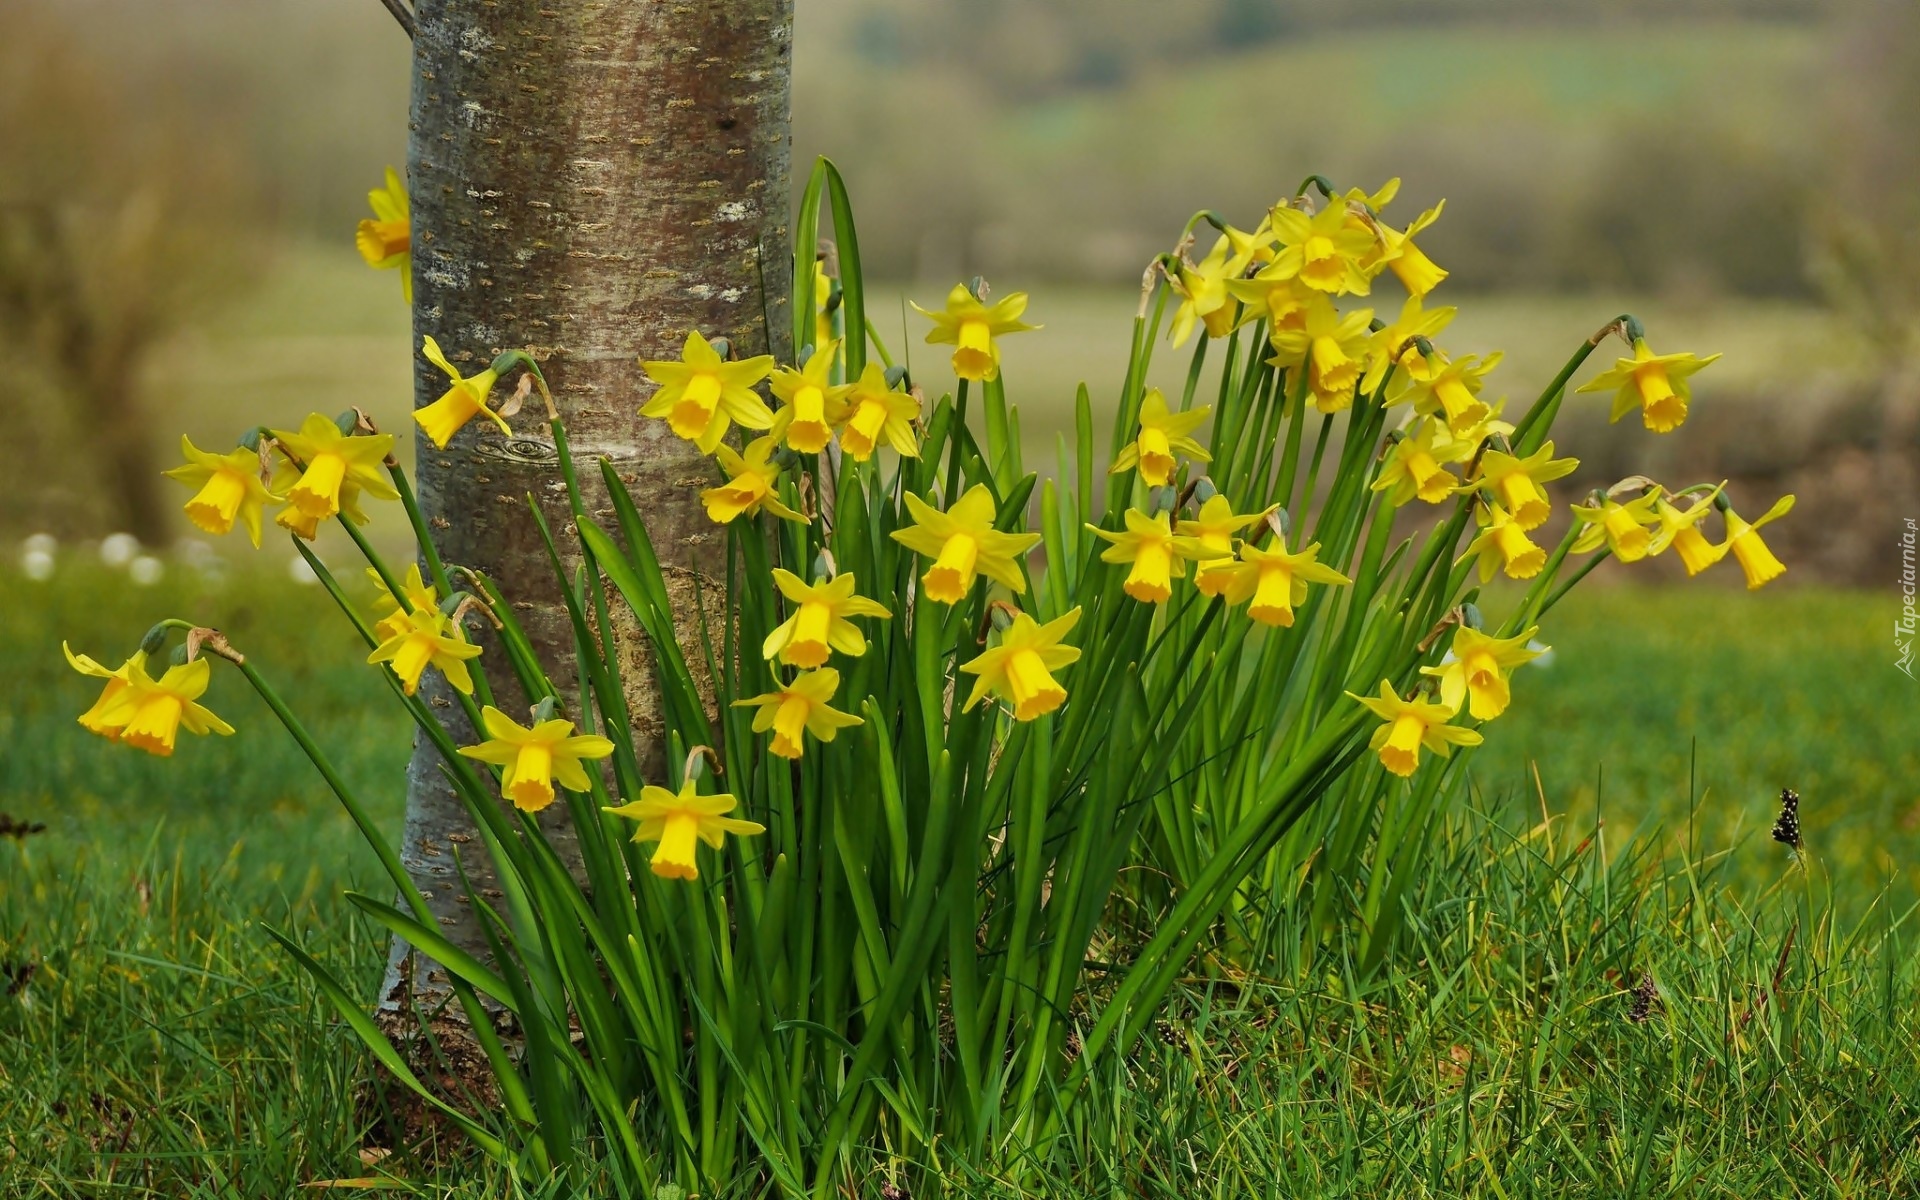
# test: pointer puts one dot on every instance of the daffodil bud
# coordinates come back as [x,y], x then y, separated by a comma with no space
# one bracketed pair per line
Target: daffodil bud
[896,376]
[156,638]
[1001,616]
[179,656]
[1281,522]
[1470,616]
[824,567]
[250,440]
[1161,499]
[978,286]
[452,603]
[545,710]
[806,352]
[1203,490]
[1721,502]
[723,347]
[506,361]
[348,422]
[1631,328]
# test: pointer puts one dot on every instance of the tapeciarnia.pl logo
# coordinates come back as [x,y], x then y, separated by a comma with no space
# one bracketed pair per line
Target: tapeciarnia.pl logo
[1903,626]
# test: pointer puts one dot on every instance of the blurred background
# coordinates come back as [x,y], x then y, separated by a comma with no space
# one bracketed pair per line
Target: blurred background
[179,185]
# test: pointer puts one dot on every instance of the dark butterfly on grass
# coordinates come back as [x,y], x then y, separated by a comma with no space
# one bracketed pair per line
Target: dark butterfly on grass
[1645,996]
[19,830]
[1786,830]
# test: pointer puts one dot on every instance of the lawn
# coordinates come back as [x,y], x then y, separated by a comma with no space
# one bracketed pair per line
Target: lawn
[163,1047]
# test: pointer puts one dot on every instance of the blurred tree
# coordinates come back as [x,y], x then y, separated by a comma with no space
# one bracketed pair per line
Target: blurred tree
[590,182]
[120,213]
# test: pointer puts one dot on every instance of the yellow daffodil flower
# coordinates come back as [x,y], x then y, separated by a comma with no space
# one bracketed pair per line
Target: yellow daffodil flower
[1214,528]
[701,396]
[1394,345]
[963,544]
[1415,466]
[1743,541]
[822,298]
[872,412]
[1158,555]
[302,525]
[1281,300]
[1324,250]
[1416,272]
[1276,580]
[419,595]
[386,241]
[333,461]
[428,639]
[1458,446]
[1205,298]
[1161,434]
[680,821]
[752,478]
[1503,546]
[148,714]
[1516,481]
[971,328]
[229,488]
[1478,674]
[1020,669]
[460,403]
[534,758]
[812,402]
[1411,724]
[800,708]
[1333,347]
[1621,528]
[1680,529]
[1659,385]
[1454,389]
[94,720]
[819,622]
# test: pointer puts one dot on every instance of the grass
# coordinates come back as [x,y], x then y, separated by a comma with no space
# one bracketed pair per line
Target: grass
[162,1047]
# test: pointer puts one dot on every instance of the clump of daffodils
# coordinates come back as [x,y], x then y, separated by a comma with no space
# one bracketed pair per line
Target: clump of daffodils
[859,777]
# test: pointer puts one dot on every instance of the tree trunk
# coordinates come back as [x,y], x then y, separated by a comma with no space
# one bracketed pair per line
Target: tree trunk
[591,179]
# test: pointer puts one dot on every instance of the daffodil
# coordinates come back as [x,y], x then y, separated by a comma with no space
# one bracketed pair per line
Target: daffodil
[1275,580]
[1415,466]
[1159,556]
[819,622]
[1477,675]
[963,544]
[1416,272]
[872,412]
[752,482]
[971,328]
[1454,389]
[150,713]
[1659,385]
[680,821]
[303,525]
[1162,433]
[1410,725]
[1680,529]
[1743,542]
[1503,546]
[800,708]
[428,639]
[1020,669]
[1278,297]
[1213,528]
[228,486]
[331,462]
[1324,250]
[386,241]
[1516,481]
[702,395]
[94,720]
[1621,528]
[1204,297]
[1334,349]
[419,595]
[822,303]
[1395,345]
[812,401]
[534,758]
[460,403]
